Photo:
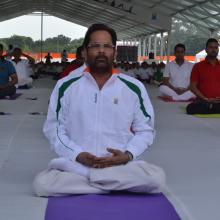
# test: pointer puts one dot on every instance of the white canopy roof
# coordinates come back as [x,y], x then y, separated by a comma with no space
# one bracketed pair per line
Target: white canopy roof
[130,18]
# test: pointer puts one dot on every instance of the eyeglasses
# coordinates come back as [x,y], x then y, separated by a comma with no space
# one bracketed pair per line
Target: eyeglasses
[98,46]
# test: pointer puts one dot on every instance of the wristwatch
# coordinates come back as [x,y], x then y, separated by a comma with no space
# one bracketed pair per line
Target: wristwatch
[130,155]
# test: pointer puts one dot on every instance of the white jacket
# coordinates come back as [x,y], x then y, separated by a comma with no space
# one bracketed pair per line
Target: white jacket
[82,118]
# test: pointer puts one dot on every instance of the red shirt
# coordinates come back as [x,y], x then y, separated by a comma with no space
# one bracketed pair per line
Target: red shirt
[208,78]
[69,69]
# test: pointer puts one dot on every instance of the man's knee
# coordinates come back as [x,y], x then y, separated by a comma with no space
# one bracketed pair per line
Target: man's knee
[154,177]
[9,91]
[190,109]
[42,183]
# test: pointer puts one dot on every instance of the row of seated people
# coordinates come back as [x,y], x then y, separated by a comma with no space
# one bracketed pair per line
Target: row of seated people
[145,72]
[18,69]
[121,108]
[179,80]
[199,82]
[174,78]
[183,80]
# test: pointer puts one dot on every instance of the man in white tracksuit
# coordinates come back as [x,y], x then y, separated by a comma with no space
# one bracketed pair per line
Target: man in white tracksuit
[99,122]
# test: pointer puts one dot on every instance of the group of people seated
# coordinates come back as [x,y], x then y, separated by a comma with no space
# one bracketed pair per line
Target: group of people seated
[18,69]
[181,80]
[147,73]
[198,82]
[100,119]
[15,72]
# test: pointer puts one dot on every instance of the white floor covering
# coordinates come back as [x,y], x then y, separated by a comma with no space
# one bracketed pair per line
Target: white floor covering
[188,149]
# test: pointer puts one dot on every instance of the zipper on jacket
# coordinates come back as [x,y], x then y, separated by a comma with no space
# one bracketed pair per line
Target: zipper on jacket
[96,97]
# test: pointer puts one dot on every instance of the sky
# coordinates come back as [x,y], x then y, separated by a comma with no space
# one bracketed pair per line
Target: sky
[30,26]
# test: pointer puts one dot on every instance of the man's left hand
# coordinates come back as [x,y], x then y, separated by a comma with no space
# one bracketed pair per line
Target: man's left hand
[118,158]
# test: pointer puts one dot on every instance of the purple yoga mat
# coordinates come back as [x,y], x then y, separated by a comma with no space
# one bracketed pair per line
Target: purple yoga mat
[111,207]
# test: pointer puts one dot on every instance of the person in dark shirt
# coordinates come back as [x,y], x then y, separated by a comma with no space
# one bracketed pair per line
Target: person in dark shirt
[8,76]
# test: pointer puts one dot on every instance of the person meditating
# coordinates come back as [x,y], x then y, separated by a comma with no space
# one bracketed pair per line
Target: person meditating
[99,122]
[8,76]
[176,77]
[205,82]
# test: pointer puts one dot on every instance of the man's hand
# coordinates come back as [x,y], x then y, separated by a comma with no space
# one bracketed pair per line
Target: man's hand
[118,158]
[180,91]
[86,159]
[215,100]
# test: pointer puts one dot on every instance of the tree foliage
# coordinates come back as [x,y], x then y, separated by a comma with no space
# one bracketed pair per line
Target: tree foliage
[54,44]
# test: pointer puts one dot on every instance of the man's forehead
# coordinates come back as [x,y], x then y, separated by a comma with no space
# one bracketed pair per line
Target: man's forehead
[100,35]
[213,44]
[180,49]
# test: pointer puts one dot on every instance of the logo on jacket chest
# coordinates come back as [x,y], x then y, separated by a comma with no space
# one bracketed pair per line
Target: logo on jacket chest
[115,101]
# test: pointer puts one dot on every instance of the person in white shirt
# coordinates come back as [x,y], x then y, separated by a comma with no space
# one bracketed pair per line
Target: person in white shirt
[143,74]
[99,122]
[23,68]
[176,77]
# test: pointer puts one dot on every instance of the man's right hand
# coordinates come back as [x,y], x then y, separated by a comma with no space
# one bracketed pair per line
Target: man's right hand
[180,91]
[86,159]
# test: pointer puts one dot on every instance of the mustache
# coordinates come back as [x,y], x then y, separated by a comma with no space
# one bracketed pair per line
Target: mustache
[101,57]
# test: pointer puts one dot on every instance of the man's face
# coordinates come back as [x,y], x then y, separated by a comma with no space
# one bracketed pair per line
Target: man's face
[17,53]
[100,52]
[212,49]
[179,53]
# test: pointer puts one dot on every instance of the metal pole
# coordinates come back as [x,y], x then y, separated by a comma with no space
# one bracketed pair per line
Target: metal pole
[149,45]
[161,46]
[41,40]
[168,46]
[144,46]
[155,47]
[139,48]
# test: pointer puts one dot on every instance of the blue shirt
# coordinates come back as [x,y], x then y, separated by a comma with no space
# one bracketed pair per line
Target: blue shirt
[6,70]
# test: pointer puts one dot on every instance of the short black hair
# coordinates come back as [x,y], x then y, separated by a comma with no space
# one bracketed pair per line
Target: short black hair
[180,46]
[16,49]
[1,46]
[99,27]
[211,40]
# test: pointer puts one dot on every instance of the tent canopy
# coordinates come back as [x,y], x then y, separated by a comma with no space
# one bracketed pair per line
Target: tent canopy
[130,18]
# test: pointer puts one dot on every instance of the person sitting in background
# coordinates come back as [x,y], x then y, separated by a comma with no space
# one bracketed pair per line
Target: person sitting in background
[143,74]
[151,70]
[75,63]
[128,70]
[64,56]
[158,75]
[48,58]
[136,68]
[176,78]
[205,82]
[23,68]
[9,52]
[8,77]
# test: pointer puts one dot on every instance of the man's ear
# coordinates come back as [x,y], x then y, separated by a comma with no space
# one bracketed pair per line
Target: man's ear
[84,53]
